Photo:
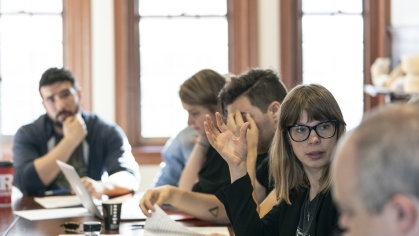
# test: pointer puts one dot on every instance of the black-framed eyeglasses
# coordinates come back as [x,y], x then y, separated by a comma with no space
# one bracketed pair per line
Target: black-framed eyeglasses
[325,130]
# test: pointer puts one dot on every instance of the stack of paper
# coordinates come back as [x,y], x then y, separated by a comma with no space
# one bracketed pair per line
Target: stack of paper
[58,201]
[45,214]
[161,224]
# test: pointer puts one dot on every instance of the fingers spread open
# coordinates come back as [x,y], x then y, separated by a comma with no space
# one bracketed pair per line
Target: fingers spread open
[239,117]
[243,131]
[231,122]
[220,122]
[210,136]
[251,121]
[209,126]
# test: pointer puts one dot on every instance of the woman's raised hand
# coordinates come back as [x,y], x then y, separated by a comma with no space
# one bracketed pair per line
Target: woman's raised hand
[233,149]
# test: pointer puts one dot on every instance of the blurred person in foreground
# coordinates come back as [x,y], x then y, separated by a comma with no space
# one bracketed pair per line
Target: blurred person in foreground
[376,173]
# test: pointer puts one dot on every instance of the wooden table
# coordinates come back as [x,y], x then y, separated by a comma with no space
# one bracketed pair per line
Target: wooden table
[20,226]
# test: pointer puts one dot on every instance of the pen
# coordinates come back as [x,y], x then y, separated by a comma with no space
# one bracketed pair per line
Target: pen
[57,191]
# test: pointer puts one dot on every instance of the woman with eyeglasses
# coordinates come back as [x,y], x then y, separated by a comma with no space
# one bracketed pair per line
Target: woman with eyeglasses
[310,124]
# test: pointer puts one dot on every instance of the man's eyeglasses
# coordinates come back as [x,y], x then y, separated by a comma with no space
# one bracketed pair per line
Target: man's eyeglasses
[325,130]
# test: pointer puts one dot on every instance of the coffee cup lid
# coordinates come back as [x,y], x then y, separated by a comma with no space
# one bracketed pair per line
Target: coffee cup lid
[92,226]
[112,201]
[6,164]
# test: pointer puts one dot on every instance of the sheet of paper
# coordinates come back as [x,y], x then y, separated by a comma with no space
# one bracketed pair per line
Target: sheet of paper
[161,224]
[196,231]
[58,201]
[45,214]
[212,229]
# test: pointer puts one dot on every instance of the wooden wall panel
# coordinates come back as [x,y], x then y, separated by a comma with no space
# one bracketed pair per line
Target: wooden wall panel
[376,41]
[127,69]
[242,35]
[77,45]
[291,42]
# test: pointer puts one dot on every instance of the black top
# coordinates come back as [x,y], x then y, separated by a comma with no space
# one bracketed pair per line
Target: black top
[282,220]
[262,175]
[308,210]
[215,174]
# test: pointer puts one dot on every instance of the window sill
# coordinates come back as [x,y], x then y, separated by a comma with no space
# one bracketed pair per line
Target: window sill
[144,155]
[147,155]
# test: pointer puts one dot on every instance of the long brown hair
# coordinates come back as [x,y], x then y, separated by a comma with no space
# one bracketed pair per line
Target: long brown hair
[287,172]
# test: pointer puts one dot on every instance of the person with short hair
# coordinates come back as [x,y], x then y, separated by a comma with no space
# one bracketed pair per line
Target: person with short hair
[242,100]
[199,96]
[258,93]
[81,139]
[376,172]
[310,123]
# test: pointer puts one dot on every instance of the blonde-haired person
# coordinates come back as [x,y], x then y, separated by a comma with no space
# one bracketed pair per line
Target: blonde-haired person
[199,96]
[310,124]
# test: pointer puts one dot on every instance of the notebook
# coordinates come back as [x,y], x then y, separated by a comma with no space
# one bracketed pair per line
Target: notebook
[128,212]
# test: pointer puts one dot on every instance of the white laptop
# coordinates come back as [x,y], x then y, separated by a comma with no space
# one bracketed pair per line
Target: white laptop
[128,212]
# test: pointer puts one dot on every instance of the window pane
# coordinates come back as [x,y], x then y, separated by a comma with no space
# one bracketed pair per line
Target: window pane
[329,6]
[179,7]
[346,87]
[332,42]
[349,6]
[171,51]
[329,28]
[34,6]
[333,52]
[310,6]
[25,54]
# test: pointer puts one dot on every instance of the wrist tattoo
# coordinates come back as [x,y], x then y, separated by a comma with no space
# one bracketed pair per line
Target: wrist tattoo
[214,211]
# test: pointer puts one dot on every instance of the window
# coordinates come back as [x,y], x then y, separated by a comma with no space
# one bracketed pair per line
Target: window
[333,52]
[363,22]
[31,40]
[238,49]
[176,40]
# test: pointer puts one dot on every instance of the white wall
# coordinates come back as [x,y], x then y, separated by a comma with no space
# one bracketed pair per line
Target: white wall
[404,12]
[103,66]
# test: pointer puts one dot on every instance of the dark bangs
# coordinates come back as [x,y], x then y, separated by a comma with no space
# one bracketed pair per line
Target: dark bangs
[315,100]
